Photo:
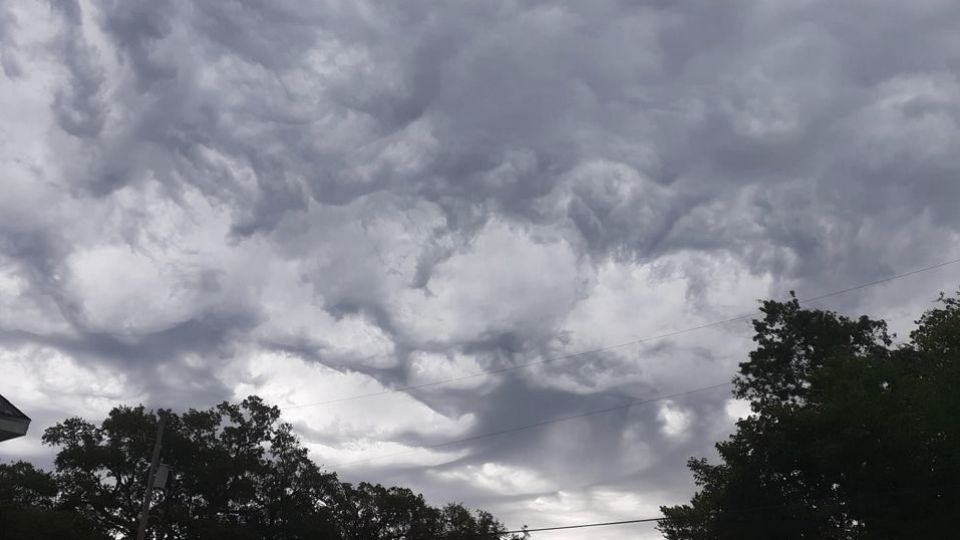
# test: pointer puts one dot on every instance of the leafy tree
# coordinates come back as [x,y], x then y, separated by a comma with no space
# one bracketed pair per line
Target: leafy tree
[29,507]
[240,473]
[850,436]
[374,512]
[459,524]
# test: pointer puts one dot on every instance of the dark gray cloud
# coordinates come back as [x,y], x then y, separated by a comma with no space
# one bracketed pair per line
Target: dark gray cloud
[77,105]
[313,200]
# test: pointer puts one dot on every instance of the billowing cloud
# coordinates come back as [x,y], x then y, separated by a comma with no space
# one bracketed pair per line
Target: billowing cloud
[315,201]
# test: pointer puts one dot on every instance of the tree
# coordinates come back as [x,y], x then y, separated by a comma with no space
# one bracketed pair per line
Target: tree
[368,511]
[850,437]
[240,473]
[29,507]
[374,512]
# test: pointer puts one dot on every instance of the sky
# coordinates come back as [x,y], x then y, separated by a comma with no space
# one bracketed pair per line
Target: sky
[401,202]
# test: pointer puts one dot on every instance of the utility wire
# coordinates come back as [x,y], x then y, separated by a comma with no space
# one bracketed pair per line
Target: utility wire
[620,345]
[568,527]
[632,403]
[750,510]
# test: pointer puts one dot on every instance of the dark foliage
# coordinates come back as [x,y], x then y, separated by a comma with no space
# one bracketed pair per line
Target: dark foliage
[29,509]
[851,437]
[239,473]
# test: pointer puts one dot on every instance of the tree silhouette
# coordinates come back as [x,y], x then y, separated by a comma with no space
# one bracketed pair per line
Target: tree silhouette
[29,507]
[850,436]
[239,473]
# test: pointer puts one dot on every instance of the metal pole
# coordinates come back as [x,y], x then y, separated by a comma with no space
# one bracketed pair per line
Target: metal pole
[145,508]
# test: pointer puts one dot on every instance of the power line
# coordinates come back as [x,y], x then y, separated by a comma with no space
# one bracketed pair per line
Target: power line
[632,403]
[620,345]
[568,527]
[750,510]
[880,281]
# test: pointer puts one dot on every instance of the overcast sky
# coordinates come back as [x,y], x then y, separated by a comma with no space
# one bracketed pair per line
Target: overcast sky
[316,200]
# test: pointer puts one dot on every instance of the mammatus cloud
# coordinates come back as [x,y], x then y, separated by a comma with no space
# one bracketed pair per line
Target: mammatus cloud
[317,200]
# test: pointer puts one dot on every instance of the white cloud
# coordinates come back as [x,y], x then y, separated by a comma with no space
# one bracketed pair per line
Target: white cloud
[320,402]
[109,281]
[737,409]
[50,386]
[593,505]
[399,195]
[447,372]
[503,480]
[675,421]
[504,282]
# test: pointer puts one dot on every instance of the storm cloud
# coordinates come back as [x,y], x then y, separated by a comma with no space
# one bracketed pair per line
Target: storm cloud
[314,201]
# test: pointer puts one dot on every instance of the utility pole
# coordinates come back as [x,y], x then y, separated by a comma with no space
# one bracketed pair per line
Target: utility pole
[145,509]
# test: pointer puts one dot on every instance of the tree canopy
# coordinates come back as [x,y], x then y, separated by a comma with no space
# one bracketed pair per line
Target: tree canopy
[850,436]
[29,509]
[240,473]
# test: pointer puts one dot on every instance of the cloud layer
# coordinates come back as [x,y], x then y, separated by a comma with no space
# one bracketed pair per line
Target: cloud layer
[318,200]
